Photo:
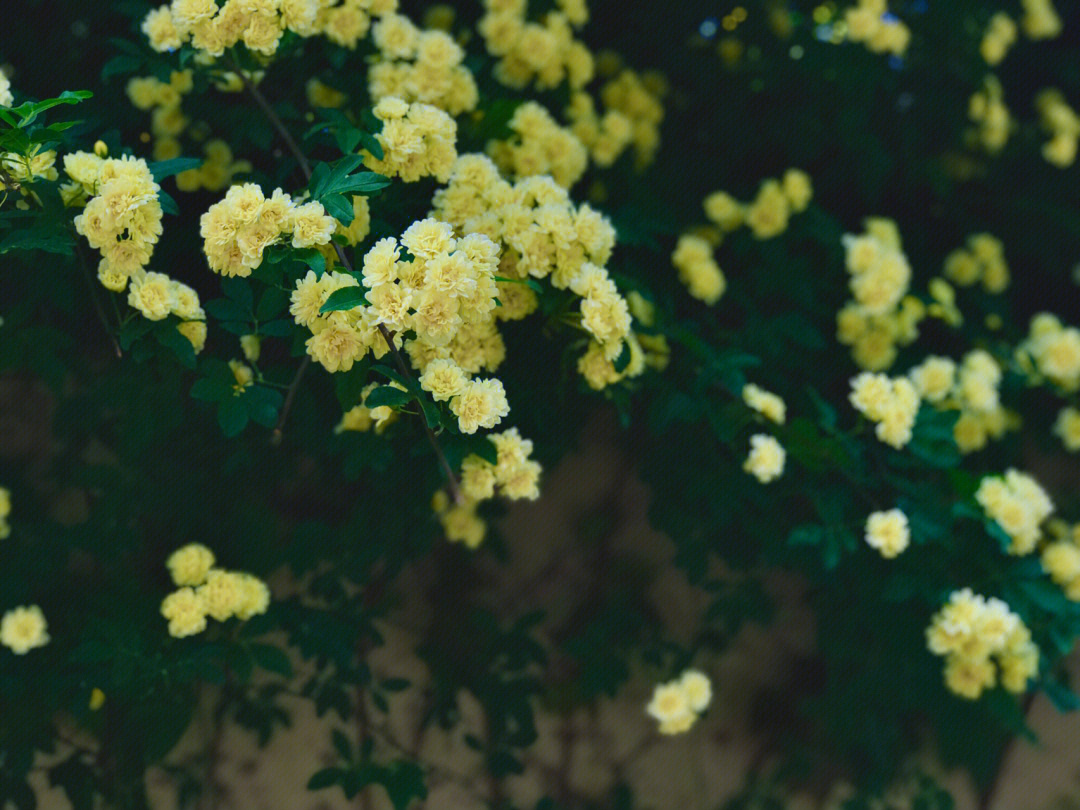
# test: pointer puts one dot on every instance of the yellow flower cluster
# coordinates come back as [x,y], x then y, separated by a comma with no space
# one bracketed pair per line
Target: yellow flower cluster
[418,140]
[973,632]
[1019,506]
[1052,352]
[217,171]
[207,591]
[770,211]
[767,404]
[972,389]
[677,704]
[892,403]
[23,628]
[1041,20]
[605,137]
[240,227]
[1063,124]
[122,219]
[543,235]
[999,37]
[639,99]
[766,458]
[698,270]
[6,98]
[882,315]
[258,24]
[514,475]
[5,512]
[28,167]
[539,146]
[870,22]
[545,53]
[163,98]
[982,260]
[1061,557]
[445,294]
[988,111]
[888,532]
[423,66]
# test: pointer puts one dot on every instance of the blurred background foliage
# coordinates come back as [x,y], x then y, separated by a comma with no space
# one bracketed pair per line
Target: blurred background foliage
[129,467]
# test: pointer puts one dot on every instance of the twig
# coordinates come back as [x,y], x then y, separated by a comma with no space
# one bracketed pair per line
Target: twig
[94,298]
[272,117]
[286,406]
[305,167]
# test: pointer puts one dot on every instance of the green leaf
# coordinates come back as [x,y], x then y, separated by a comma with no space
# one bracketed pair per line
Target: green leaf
[432,415]
[271,659]
[532,284]
[167,168]
[232,416]
[404,782]
[239,290]
[395,684]
[279,327]
[327,777]
[210,390]
[932,438]
[362,183]
[313,259]
[272,303]
[170,337]
[809,535]
[342,745]
[338,207]
[226,309]
[39,237]
[168,204]
[344,299]
[263,404]
[1063,698]
[387,395]
[371,143]
[118,65]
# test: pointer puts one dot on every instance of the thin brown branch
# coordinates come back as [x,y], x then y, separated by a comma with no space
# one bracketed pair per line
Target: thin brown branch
[272,117]
[399,360]
[286,406]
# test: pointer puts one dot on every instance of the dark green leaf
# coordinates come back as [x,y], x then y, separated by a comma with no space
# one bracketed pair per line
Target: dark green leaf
[167,168]
[232,416]
[345,298]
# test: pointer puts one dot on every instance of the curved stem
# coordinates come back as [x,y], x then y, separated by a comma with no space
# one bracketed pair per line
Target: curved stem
[290,394]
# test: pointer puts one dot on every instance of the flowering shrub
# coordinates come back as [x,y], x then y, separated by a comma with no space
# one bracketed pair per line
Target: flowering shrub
[315,288]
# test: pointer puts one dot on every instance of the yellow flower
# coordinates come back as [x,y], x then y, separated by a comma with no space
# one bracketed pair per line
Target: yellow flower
[23,628]
[766,459]
[190,564]
[769,405]
[888,532]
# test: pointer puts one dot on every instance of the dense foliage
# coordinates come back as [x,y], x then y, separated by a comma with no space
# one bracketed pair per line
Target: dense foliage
[263,293]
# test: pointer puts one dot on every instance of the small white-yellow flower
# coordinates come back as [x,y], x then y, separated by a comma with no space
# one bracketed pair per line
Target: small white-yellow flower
[766,459]
[23,628]
[888,532]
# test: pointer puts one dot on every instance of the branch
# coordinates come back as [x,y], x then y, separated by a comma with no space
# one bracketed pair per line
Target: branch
[286,406]
[94,297]
[305,167]
[272,117]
